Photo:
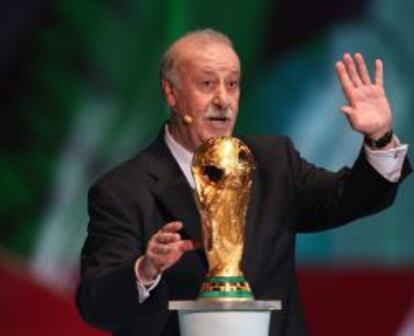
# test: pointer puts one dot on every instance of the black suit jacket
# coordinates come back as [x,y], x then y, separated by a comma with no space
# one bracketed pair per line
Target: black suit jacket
[133,201]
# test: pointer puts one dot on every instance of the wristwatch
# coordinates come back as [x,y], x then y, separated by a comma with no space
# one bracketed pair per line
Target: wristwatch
[381,142]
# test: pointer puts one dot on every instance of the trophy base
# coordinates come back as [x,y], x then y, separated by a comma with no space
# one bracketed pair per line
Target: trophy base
[226,289]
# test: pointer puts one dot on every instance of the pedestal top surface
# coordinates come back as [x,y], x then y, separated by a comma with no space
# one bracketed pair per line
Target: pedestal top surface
[211,305]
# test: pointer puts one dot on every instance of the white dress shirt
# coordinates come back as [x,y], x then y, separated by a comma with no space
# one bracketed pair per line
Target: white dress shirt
[183,157]
[387,163]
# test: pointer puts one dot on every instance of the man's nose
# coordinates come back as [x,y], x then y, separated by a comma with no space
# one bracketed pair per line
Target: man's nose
[221,98]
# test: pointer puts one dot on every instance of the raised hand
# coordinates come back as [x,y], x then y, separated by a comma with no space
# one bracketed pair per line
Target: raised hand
[164,249]
[368,110]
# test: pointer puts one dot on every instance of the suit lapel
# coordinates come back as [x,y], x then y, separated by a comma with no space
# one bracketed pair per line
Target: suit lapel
[250,226]
[252,216]
[171,190]
[176,199]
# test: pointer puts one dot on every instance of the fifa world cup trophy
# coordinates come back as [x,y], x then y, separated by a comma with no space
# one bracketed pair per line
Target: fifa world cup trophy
[223,169]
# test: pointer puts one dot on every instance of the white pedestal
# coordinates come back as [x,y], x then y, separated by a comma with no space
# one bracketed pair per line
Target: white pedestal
[216,318]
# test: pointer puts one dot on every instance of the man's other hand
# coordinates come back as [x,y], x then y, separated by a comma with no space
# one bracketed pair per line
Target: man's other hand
[164,249]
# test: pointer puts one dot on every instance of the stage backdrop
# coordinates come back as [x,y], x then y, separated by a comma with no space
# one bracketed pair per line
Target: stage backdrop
[79,93]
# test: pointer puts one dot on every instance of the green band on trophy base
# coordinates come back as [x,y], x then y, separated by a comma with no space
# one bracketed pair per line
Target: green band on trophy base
[226,288]
[226,295]
[225,279]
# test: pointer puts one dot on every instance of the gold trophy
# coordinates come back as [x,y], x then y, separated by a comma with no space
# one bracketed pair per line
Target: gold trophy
[222,169]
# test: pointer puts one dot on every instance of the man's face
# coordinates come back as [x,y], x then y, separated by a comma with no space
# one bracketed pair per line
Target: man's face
[208,91]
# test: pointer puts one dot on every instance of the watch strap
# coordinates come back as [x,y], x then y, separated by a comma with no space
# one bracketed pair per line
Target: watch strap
[381,142]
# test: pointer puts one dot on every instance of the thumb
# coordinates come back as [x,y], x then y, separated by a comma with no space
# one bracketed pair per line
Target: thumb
[348,110]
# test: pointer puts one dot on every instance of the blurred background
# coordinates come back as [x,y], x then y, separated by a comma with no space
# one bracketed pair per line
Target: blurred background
[79,93]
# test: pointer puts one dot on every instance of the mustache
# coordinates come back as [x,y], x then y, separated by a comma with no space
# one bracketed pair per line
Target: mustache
[218,113]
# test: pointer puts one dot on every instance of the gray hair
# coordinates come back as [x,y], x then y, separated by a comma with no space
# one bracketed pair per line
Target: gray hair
[168,70]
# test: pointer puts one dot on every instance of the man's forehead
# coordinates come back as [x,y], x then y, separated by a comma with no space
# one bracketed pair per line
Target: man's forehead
[204,70]
[198,42]
[208,58]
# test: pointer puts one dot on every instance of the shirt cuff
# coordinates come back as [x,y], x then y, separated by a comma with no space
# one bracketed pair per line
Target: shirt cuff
[144,287]
[388,163]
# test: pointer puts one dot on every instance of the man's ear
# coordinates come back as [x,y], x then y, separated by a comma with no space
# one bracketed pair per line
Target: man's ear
[168,92]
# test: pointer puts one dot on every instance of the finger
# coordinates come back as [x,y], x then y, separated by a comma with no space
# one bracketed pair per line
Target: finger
[196,244]
[166,237]
[362,69]
[352,71]
[379,75]
[172,227]
[184,245]
[161,249]
[345,81]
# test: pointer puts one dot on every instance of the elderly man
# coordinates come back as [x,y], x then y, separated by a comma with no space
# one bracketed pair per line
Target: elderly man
[142,245]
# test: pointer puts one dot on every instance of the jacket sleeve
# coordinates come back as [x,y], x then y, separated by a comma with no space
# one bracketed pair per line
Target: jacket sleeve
[107,296]
[328,199]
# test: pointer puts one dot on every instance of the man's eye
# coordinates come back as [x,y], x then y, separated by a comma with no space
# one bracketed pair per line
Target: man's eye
[207,83]
[233,84]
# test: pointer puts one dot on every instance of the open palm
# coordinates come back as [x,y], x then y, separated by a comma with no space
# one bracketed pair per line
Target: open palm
[368,110]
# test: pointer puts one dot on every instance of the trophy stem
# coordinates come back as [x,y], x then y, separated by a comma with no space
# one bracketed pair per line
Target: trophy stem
[234,288]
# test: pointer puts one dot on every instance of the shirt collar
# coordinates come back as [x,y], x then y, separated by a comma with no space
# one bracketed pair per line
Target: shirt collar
[183,157]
